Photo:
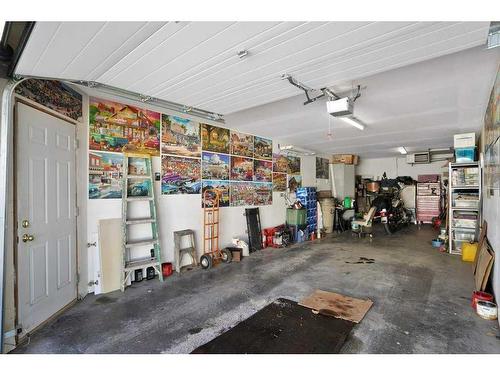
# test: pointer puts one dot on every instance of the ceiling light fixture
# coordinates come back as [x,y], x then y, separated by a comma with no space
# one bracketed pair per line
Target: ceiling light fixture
[296,150]
[402,150]
[353,122]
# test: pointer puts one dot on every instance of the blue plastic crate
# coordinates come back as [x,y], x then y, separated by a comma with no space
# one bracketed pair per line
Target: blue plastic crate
[465,155]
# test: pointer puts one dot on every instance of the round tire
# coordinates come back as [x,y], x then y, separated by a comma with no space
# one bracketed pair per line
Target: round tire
[226,255]
[390,228]
[206,262]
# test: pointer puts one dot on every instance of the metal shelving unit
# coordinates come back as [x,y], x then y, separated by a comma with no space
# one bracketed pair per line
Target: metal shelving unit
[463,186]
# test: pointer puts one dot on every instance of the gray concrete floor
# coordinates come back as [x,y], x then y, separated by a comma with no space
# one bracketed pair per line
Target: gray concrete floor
[421,301]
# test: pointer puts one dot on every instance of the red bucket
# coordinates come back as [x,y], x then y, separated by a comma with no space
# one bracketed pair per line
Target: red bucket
[166,269]
[480,296]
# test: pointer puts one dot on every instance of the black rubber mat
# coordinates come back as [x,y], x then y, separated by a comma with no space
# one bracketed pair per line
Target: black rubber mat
[282,327]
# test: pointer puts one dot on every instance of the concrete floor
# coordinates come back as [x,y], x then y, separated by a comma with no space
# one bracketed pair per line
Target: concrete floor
[421,301]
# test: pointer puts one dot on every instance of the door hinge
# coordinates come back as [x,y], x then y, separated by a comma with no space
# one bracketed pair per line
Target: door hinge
[77,143]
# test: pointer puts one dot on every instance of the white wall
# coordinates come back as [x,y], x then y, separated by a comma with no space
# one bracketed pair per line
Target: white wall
[178,212]
[397,166]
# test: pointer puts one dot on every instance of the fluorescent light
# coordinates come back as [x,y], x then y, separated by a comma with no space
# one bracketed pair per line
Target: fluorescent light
[353,122]
[402,150]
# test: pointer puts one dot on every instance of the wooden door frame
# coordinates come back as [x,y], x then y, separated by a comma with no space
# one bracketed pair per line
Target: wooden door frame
[74,124]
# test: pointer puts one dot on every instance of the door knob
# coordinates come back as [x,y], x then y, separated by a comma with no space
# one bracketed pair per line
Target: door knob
[28,237]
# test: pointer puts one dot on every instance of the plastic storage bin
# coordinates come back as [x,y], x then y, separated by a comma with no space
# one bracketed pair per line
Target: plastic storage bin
[296,217]
[465,155]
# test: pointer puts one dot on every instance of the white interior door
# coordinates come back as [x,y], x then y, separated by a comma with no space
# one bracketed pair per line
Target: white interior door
[46,220]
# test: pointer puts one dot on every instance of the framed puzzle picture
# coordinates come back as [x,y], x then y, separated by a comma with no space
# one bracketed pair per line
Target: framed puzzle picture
[180,136]
[215,139]
[105,175]
[180,175]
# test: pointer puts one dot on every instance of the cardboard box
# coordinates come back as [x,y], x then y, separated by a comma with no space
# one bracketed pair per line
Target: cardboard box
[464,140]
[344,159]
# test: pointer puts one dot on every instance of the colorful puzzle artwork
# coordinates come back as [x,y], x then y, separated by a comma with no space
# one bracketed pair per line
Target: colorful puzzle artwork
[214,138]
[241,144]
[263,193]
[263,170]
[215,166]
[180,136]
[263,148]
[221,187]
[123,128]
[242,193]
[241,168]
[279,181]
[105,175]
[180,175]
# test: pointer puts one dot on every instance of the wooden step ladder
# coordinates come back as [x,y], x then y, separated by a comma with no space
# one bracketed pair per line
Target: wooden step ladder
[138,187]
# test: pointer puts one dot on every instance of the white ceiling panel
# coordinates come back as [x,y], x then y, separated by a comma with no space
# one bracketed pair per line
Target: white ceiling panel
[419,106]
[424,81]
[196,63]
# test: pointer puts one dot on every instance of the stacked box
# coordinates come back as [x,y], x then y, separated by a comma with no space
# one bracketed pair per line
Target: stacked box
[308,197]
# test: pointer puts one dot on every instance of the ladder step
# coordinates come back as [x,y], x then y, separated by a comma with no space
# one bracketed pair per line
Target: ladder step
[187,249]
[152,241]
[145,176]
[141,263]
[140,221]
[131,199]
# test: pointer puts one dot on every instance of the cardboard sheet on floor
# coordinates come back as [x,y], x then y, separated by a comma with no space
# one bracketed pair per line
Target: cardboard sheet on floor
[337,305]
[110,253]
[484,265]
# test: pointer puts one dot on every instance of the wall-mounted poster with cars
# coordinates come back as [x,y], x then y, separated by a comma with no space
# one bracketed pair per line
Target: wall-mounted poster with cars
[263,193]
[215,166]
[138,187]
[180,136]
[123,128]
[322,168]
[242,193]
[279,181]
[241,168]
[214,139]
[105,175]
[241,144]
[263,170]
[180,175]
[263,148]
[221,187]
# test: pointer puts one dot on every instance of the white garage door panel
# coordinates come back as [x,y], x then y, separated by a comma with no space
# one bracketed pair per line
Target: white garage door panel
[119,38]
[177,44]
[221,47]
[266,41]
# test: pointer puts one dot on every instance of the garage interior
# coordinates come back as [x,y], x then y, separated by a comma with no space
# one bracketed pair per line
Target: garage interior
[250,187]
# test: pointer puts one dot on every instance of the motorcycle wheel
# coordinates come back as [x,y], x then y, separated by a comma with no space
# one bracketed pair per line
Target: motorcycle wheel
[390,228]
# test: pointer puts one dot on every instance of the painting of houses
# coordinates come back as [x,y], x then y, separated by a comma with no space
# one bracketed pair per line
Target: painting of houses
[241,144]
[280,163]
[293,164]
[211,187]
[214,166]
[242,193]
[263,193]
[263,170]
[123,128]
[322,167]
[180,175]
[263,148]
[279,181]
[294,182]
[214,139]
[180,136]
[105,175]
[137,166]
[241,168]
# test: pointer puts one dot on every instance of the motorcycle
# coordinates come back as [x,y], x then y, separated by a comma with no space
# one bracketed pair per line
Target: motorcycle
[390,208]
